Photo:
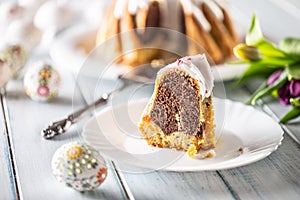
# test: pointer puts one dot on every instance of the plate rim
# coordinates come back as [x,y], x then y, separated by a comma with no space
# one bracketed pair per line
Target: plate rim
[211,167]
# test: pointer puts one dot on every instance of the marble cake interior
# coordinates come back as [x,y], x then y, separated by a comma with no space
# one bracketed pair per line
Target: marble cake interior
[177,105]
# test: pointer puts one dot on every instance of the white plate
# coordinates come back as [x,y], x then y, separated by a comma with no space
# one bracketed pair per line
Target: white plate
[66,53]
[115,133]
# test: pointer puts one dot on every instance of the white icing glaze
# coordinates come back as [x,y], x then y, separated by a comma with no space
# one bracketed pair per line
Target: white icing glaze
[194,7]
[170,8]
[133,7]
[198,13]
[199,69]
[119,8]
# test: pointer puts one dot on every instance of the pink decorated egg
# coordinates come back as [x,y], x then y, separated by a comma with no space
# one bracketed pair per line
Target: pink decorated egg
[79,165]
[41,82]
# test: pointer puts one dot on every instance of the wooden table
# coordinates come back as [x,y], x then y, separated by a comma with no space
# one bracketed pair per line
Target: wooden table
[25,157]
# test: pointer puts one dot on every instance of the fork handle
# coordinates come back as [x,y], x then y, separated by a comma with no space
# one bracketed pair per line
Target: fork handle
[61,126]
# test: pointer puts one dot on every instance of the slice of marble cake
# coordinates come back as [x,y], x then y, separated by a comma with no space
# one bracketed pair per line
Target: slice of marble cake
[180,112]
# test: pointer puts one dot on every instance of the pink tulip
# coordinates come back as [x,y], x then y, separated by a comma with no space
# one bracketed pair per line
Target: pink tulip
[289,90]
[295,88]
[274,77]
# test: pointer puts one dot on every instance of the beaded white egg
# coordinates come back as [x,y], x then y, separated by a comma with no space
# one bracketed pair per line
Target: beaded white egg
[79,165]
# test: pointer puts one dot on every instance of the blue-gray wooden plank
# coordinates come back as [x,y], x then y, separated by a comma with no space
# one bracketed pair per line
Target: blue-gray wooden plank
[7,185]
[33,153]
[274,177]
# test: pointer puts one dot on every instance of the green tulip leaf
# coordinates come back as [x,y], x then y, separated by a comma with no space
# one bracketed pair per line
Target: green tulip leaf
[293,71]
[295,102]
[290,45]
[276,62]
[238,62]
[255,38]
[255,70]
[268,90]
[292,114]
[263,59]
[263,86]
[254,34]
[267,49]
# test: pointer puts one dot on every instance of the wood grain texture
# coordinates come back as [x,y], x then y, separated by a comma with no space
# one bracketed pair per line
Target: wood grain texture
[6,179]
[275,177]
[177,185]
[33,153]
[272,106]
[278,175]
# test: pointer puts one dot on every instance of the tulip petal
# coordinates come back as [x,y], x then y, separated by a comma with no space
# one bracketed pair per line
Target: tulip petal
[284,94]
[274,77]
[295,88]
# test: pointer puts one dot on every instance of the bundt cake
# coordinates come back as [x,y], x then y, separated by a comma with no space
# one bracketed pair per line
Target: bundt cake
[180,112]
[206,22]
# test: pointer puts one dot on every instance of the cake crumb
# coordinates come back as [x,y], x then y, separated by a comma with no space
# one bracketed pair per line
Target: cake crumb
[192,151]
[209,154]
[241,150]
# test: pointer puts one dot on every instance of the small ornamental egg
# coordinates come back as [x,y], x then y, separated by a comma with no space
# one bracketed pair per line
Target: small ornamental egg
[9,11]
[79,165]
[23,32]
[41,82]
[5,73]
[15,56]
[53,15]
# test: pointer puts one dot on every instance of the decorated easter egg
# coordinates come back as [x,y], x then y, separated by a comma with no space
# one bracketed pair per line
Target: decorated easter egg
[79,165]
[15,56]
[5,73]
[41,81]
[23,32]
[9,11]
[53,15]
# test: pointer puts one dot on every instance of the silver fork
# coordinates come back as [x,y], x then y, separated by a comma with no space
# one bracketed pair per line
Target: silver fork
[142,75]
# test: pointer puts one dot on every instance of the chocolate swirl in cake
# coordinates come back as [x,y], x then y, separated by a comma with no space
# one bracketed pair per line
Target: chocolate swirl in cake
[176,106]
[180,112]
